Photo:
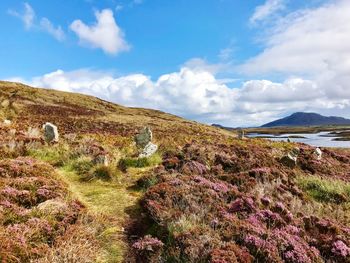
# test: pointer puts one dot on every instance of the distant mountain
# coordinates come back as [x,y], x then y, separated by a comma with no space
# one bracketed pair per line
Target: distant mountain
[307,119]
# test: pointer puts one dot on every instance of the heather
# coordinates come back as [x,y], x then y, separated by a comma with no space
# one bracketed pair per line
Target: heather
[29,226]
[239,195]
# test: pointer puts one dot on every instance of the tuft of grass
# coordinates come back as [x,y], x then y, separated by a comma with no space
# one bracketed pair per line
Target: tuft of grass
[101,172]
[82,165]
[56,155]
[324,190]
[127,162]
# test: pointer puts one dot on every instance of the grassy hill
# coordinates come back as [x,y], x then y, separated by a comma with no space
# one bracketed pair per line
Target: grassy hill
[205,196]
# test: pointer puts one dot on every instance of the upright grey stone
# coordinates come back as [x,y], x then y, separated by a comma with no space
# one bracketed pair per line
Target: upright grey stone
[240,134]
[50,132]
[143,138]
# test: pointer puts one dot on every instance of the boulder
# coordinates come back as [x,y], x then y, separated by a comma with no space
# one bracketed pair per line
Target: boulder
[149,150]
[50,132]
[289,160]
[143,138]
[53,207]
[318,153]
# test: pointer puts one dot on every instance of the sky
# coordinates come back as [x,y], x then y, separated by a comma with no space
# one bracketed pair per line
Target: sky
[229,62]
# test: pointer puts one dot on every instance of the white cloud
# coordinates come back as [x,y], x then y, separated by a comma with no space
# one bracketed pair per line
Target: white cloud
[27,16]
[196,93]
[306,41]
[56,32]
[266,10]
[104,34]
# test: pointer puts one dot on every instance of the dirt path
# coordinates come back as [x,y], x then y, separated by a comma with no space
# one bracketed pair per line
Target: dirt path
[114,203]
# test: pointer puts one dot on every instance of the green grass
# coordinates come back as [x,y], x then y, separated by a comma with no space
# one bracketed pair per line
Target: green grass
[57,155]
[323,190]
[127,162]
[109,202]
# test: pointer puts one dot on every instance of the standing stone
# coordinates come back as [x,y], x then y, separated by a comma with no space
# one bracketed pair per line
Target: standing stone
[318,153]
[50,132]
[149,150]
[240,134]
[143,138]
[290,159]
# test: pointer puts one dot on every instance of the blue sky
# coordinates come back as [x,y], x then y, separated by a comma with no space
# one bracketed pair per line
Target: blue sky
[203,60]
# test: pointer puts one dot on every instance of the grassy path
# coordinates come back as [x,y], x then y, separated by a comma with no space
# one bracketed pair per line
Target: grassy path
[114,203]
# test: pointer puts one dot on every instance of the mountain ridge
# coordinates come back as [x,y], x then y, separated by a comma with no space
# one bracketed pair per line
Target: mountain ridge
[307,119]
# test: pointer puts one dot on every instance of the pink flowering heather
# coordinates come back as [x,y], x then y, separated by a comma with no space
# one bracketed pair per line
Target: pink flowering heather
[340,249]
[265,201]
[219,187]
[148,243]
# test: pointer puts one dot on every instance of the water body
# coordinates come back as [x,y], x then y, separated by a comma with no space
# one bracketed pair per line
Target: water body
[321,139]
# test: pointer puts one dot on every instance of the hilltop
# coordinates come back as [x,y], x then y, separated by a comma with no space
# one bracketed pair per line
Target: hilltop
[307,119]
[204,196]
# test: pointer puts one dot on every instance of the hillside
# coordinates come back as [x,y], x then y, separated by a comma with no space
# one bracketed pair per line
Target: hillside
[204,196]
[307,119]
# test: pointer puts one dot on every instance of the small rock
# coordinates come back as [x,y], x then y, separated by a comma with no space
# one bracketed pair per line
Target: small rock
[143,138]
[289,160]
[318,153]
[52,207]
[50,132]
[149,150]
[7,122]
[101,159]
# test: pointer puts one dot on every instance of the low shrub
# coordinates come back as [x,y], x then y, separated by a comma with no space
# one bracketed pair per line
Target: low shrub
[147,181]
[82,165]
[34,209]
[101,172]
[126,163]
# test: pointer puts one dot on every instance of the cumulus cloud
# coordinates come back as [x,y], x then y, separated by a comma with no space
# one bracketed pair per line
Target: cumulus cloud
[104,34]
[264,11]
[306,41]
[28,17]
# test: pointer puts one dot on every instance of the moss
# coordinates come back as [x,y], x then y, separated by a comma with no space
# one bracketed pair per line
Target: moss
[323,190]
